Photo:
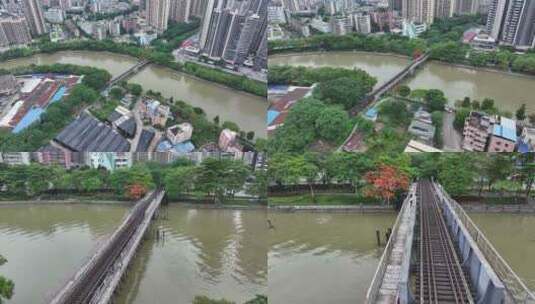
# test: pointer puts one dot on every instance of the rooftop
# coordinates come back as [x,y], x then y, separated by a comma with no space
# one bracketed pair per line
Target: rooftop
[86,133]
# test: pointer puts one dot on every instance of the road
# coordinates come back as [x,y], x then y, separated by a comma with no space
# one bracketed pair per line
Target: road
[139,126]
[451,137]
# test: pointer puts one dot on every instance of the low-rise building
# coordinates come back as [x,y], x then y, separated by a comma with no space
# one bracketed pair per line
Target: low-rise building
[179,133]
[154,111]
[421,130]
[526,141]
[15,158]
[415,146]
[280,107]
[477,129]
[228,141]
[503,137]
[8,85]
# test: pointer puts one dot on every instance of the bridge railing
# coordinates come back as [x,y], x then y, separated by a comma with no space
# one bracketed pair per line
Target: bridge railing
[519,292]
[373,290]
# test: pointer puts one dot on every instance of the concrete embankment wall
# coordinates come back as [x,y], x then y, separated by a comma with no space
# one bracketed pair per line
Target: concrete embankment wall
[490,289]
[335,209]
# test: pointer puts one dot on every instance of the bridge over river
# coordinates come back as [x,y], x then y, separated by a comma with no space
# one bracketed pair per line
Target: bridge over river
[97,280]
[352,141]
[436,254]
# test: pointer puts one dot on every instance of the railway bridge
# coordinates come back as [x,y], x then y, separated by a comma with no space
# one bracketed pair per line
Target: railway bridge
[131,71]
[352,141]
[436,254]
[374,96]
[97,280]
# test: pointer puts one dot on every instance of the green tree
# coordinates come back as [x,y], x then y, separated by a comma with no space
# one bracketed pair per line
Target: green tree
[230,125]
[6,286]
[532,119]
[221,178]
[395,112]
[466,102]
[404,91]
[116,93]
[521,113]
[457,172]
[344,91]
[124,178]
[332,124]
[435,99]
[206,300]
[499,167]
[488,105]
[134,89]
[179,180]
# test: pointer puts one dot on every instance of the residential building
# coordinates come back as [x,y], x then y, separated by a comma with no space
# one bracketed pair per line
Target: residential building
[362,23]
[415,146]
[109,160]
[512,22]
[155,112]
[467,7]
[503,137]
[422,130]
[413,29]
[320,25]
[50,155]
[477,129]
[8,84]
[527,139]
[276,14]
[34,16]
[180,10]
[228,141]
[54,15]
[158,14]
[420,11]
[14,30]
[15,158]
[444,9]
[179,133]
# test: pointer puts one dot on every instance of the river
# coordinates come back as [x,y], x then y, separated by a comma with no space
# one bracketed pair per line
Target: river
[247,110]
[323,258]
[308,257]
[46,244]
[513,235]
[217,253]
[508,90]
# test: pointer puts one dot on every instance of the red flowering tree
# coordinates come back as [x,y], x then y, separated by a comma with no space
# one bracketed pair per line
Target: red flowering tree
[136,191]
[385,182]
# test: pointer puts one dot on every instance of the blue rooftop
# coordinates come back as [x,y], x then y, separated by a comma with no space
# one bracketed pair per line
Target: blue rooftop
[504,132]
[371,112]
[32,116]
[271,115]
[58,95]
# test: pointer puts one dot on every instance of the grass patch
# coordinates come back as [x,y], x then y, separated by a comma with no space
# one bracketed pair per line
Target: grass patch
[322,200]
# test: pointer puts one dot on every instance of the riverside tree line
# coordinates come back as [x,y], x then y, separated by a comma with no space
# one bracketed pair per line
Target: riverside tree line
[214,180]
[385,175]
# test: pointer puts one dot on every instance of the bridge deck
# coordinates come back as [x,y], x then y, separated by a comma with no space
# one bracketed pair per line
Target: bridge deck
[452,261]
[96,281]
[388,292]
[396,256]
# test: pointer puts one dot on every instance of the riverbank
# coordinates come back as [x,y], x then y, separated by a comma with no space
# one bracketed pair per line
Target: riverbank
[401,56]
[241,83]
[457,81]
[333,208]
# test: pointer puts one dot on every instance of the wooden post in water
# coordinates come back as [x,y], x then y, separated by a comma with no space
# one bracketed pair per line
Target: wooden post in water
[378,236]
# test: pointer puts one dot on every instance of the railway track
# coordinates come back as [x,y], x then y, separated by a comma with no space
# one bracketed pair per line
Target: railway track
[439,275]
[85,288]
